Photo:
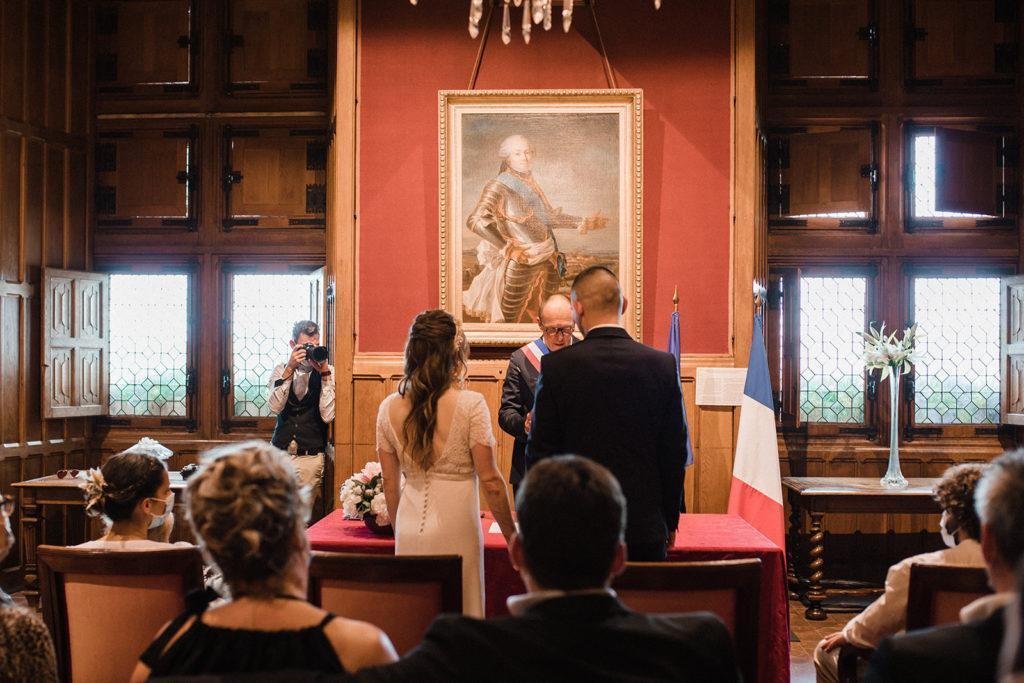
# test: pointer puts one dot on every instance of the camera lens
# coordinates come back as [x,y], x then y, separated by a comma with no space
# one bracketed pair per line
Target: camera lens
[318,353]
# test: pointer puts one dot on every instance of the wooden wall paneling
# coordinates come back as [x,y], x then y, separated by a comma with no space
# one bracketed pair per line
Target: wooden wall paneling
[80,72]
[12,87]
[34,109]
[56,90]
[10,365]
[716,455]
[53,209]
[76,254]
[826,39]
[10,207]
[32,205]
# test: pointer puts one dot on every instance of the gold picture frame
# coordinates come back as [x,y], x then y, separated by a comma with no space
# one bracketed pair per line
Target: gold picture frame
[536,185]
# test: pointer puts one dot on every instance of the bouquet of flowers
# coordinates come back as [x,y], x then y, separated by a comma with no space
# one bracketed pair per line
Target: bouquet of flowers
[891,355]
[362,494]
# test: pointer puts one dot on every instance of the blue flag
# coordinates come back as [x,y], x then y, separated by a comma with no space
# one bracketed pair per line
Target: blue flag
[674,349]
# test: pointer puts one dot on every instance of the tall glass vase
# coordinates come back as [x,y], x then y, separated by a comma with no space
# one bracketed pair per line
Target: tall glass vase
[893,478]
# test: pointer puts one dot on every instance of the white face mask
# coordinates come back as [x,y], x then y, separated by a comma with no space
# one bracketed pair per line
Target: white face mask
[160,520]
[947,538]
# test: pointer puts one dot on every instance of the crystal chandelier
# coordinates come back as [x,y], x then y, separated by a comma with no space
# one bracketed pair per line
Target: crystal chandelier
[534,12]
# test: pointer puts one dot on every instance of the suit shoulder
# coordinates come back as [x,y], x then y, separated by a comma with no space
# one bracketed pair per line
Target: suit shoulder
[702,625]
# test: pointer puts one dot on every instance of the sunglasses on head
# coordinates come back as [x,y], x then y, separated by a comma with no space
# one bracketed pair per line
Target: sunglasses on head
[64,473]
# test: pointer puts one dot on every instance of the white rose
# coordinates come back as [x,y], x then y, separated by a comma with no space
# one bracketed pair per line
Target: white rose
[349,508]
[372,469]
[379,505]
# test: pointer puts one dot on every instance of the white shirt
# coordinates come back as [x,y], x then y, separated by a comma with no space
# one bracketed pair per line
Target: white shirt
[888,614]
[278,398]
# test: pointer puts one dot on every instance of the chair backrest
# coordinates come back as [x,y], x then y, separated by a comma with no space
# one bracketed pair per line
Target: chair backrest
[104,607]
[937,593]
[730,589]
[399,594]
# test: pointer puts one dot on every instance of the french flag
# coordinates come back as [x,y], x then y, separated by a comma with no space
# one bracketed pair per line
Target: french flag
[756,493]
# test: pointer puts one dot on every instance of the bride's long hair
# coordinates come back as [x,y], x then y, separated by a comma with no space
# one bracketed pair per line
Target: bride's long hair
[436,356]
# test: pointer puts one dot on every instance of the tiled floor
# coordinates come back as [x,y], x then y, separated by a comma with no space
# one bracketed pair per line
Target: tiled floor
[801,654]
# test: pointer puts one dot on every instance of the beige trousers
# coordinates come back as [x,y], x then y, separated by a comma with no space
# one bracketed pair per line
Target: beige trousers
[310,471]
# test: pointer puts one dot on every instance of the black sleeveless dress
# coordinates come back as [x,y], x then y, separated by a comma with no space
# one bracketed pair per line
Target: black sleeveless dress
[204,649]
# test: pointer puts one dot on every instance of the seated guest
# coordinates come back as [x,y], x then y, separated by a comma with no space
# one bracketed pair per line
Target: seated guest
[570,625]
[1011,659]
[887,615]
[249,516]
[968,651]
[26,651]
[133,495]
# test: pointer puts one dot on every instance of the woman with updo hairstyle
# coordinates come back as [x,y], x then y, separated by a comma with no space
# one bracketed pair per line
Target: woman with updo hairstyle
[439,436]
[249,516]
[132,493]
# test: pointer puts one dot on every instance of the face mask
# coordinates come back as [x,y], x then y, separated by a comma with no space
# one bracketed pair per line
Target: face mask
[159,520]
[947,538]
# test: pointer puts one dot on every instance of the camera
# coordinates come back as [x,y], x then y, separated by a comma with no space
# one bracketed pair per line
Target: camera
[317,354]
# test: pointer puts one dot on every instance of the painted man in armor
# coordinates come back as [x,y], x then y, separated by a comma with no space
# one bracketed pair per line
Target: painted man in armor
[522,265]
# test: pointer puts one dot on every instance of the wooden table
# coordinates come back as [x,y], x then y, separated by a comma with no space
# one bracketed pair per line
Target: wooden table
[36,494]
[819,495]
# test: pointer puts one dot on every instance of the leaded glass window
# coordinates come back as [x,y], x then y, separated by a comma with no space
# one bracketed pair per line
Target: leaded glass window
[832,312]
[957,373]
[263,309]
[148,344]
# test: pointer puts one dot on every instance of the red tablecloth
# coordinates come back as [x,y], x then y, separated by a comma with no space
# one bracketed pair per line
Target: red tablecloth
[700,537]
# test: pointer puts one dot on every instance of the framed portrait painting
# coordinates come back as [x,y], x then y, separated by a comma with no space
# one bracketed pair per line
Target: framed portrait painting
[536,186]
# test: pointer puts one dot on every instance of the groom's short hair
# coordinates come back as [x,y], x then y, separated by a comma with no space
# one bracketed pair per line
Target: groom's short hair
[572,517]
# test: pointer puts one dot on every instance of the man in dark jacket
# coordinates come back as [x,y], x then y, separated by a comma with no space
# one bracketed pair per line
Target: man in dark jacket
[556,327]
[570,626]
[617,402]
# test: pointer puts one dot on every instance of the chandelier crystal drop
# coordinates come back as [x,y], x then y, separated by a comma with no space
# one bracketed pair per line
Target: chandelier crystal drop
[534,12]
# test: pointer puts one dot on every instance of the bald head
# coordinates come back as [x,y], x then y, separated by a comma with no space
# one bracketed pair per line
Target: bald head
[556,306]
[597,298]
[555,322]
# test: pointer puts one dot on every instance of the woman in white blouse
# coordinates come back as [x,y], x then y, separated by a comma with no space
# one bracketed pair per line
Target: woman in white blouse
[132,493]
[960,529]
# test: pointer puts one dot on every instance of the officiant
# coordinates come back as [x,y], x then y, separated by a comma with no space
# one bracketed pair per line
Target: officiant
[556,327]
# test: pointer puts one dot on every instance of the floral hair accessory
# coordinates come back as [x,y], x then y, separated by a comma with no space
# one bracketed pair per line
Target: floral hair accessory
[95,487]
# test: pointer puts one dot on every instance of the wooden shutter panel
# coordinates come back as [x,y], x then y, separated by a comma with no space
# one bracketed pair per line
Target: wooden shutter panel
[825,172]
[825,41]
[1011,317]
[965,171]
[76,343]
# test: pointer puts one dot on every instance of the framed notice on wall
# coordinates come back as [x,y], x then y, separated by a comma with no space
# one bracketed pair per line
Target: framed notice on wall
[536,186]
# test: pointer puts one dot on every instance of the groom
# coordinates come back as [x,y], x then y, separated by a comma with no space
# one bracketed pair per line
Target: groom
[618,402]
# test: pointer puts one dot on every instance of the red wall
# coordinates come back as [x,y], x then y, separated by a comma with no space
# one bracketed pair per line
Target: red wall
[678,55]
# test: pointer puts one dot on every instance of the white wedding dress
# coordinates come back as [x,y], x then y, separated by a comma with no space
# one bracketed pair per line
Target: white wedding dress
[439,512]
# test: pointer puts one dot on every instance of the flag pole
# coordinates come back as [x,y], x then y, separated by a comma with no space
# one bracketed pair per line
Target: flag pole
[675,299]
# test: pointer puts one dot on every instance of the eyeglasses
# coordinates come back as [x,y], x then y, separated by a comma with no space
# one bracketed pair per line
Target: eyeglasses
[7,505]
[559,331]
[63,473]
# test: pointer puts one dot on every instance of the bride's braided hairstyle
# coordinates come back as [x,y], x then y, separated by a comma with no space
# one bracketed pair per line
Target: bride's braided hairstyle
[245,507]
[436,355]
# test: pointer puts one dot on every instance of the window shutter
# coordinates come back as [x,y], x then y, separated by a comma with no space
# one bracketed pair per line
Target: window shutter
[966,179]
[76,343]
[1011,316]
[316,299]
[825,172]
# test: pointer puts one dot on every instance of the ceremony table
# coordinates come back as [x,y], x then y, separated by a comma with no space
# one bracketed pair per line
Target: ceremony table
[819,495]
[42,492]
[700,538]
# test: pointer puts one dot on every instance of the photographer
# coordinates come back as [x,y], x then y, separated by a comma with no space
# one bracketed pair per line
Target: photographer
[302,397]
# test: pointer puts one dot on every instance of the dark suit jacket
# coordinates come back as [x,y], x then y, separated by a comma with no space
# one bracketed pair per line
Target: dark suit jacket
[516,402]
[575,638]
[961,652]
[618,402]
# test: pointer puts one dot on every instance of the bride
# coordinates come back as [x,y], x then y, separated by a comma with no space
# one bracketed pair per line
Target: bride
[439,436]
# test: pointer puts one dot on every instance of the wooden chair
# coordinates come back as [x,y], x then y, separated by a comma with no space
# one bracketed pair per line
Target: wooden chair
[935,596]
[103,607]
[399,594]
[730,589]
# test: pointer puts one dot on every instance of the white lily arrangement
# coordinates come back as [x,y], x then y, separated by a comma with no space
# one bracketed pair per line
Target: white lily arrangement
[888,353]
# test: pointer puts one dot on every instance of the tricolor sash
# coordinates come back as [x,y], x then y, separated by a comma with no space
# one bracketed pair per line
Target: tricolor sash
[534,351]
